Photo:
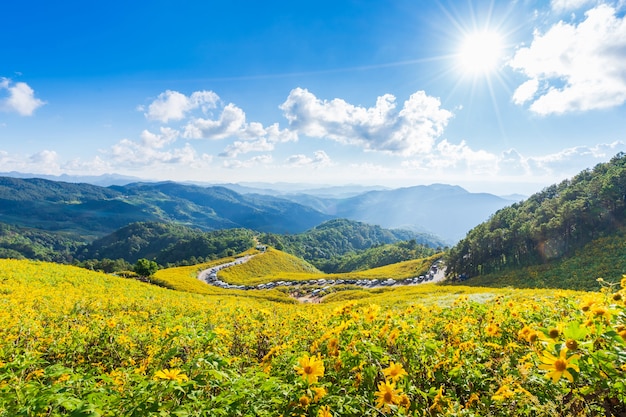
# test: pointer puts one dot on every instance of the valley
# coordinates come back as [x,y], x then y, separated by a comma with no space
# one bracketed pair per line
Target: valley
[525,315]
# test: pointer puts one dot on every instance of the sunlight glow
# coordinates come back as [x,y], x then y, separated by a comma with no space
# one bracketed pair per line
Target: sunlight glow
[480,53]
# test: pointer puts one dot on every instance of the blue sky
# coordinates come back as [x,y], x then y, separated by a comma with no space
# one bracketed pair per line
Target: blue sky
[499,97]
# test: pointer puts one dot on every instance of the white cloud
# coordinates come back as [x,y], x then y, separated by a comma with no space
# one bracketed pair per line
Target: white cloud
[567,5]
[172,105]
[232,121]
[45,158]
[512,163]
[319,159]
[239,147]
[461,156]
[411,130]
[157,141]
[570,161]
[252,162]
[21,98]
[133,154]
[93,166]
[583,66]
[526,91]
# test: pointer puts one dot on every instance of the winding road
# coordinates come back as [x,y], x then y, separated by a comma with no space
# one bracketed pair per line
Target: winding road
[210,276]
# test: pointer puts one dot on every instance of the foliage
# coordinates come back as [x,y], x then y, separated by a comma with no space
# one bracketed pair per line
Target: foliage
[91,211]
[549,225]
[109,266]
[24,243]
[326,245]
[145,268]
[375,256]
[75,342]
[168,243]
[603,257]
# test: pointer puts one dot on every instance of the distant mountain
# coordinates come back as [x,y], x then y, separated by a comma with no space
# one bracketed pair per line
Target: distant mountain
[339,237]
[103,180]
[446,211]
[167,243]
[92,211]
[281,189]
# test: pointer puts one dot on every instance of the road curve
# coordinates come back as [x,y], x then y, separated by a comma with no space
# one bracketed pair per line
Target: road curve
[436,273]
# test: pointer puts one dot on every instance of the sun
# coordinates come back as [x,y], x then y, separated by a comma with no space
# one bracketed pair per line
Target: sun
[480,53]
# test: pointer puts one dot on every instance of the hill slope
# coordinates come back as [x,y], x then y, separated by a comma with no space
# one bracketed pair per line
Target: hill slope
[79,343]
[89,211]
[548,226]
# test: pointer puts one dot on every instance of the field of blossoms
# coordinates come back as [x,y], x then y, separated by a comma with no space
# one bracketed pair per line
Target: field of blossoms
[80,343]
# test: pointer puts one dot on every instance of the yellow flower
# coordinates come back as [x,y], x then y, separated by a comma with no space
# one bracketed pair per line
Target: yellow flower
[333,346]
[474,398]
[492,330]
[171,375]
[393,336]
[386,395]
[438,402]
[320,392]
[311,368]
[404,401]
[62,378]
[304,401]
[559,366]
[395,371]
[324,412]
[527,334]
[602,312]
[503,393]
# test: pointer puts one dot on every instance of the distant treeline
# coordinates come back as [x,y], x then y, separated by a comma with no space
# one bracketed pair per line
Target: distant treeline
[344,245]
[334,246]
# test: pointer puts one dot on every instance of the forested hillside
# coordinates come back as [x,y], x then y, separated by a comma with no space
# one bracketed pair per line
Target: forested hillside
[24,243]
[325,244]
[336,245]
[378,255]
[168,243]
[89,212]
[550,225]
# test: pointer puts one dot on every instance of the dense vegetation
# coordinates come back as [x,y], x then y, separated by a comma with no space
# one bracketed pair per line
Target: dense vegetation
[25,243]
[602,258]
[375,256]
[549,225]
[89,211]
[333,246]
[79,343]
[168,243]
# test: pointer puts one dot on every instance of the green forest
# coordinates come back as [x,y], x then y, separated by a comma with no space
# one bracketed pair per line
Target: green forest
[550,225]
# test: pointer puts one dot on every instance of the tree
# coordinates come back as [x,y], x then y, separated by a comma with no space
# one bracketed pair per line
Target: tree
[146,268]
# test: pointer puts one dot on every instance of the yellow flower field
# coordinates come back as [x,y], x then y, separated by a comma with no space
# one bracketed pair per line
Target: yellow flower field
[79,343]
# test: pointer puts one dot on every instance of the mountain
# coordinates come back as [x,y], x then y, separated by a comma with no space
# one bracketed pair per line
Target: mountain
[218,207]
[103,180]
[342,245]
[550,226]
[446,211]
[167,243]
[91,211]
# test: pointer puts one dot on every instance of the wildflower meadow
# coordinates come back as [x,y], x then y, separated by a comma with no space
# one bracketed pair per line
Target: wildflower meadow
[79,343]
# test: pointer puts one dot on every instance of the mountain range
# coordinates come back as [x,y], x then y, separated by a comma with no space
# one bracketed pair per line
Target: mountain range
[447,212]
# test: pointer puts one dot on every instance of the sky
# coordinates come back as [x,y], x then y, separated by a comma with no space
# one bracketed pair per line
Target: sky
[499,97]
